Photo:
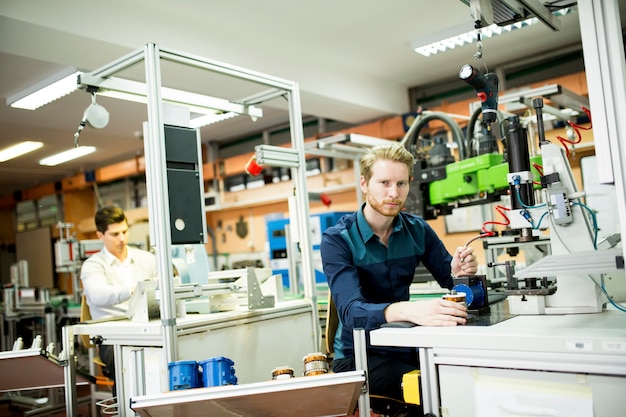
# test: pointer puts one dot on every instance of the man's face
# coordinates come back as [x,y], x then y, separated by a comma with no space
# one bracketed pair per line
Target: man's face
[387,190]
[115,238]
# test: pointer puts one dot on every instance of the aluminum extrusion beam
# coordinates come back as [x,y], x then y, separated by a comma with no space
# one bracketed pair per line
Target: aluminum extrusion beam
[120,64]
[156,176]
[225,69]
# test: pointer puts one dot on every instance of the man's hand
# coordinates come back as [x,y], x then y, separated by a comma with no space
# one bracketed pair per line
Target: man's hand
[437,312]
[464,261]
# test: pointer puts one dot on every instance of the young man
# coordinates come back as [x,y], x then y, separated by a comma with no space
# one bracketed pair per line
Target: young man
[369,259]
[110,276]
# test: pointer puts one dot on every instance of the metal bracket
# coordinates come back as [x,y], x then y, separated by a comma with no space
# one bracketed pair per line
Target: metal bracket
[256,299]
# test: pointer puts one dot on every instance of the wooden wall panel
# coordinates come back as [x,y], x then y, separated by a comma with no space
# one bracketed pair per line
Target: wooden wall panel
[7,201]
[39,191]
[79,206]
[75,182]
[141,163]
[234,165]
[7,227]
[208,171]
[116,171]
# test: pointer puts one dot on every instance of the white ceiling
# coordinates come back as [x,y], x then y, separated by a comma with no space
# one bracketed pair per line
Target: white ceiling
[351,58]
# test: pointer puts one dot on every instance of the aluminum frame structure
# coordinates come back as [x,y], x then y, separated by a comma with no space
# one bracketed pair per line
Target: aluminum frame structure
[603,52]
[158,203]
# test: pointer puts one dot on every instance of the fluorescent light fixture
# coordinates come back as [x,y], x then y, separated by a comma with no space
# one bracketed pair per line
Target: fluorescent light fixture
[136,91]
[427,48]
[46,91]
[67,155]
[18,150]
[276,156]
[459,36]
[208,119]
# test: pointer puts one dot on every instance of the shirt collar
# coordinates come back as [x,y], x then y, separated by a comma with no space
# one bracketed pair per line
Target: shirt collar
[112,260]
[365,229]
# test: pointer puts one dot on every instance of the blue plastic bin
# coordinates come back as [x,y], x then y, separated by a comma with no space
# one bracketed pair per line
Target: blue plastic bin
[184,375]
[218,371]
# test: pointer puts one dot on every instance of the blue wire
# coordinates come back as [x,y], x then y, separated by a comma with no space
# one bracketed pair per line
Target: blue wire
[595,237]
[541,219]
[595,223]
[519,198]
[617,306]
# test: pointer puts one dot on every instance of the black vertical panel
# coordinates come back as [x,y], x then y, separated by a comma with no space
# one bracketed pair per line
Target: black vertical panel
[184,186]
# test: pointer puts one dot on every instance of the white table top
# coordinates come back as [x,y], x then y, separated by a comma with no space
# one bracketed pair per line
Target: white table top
[600,333]
[150,333]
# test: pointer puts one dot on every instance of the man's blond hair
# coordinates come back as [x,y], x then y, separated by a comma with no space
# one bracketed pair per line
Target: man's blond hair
[393,152]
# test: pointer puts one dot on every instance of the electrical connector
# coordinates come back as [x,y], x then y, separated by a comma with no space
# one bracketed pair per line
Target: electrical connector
[559,204]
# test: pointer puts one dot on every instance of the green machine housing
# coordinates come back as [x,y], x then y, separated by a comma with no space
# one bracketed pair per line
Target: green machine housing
[475,180]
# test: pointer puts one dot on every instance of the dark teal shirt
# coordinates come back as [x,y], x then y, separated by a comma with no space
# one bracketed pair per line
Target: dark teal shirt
[366,276]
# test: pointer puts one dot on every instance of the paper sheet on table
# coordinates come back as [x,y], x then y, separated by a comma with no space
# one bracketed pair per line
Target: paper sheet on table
[514,397]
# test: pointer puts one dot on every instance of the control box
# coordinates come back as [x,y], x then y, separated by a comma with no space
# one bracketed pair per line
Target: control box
[277,238]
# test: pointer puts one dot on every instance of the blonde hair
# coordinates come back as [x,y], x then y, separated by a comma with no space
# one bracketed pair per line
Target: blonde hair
[393,152]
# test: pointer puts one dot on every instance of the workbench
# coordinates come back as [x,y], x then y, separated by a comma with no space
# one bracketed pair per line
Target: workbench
[571,365]
[257,341]
[28,371]
[318,395]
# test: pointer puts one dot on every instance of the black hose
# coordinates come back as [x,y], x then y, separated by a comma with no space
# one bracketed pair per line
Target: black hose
[421,121]
[469,134]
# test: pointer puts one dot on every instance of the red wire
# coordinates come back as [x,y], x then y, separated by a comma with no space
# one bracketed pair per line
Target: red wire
[501,209]
[539,169]
[577,129]
[488,233]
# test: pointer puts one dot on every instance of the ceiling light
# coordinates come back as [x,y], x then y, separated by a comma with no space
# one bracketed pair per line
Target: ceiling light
[458,36]
[208,119]
[67,155]
[18,150]
[46,91]
[445,44]
[136,91]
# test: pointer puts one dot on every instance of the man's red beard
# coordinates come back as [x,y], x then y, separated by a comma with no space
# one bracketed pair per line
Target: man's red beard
[383,208]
